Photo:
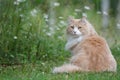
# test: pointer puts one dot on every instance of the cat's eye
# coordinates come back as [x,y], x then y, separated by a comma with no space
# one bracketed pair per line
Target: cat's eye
[79,27]
[72,27]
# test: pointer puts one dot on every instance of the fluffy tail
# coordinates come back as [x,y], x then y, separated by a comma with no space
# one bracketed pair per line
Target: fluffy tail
[66,68]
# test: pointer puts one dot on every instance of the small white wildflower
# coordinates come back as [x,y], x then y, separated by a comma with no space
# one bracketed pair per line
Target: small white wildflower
[45,16]
[43,72]
[33,12]
[105,13]
[84,14]
[77,10]
[60,17]
[15,37]
[21,15]
[51,28]
[62,22]
[98,12]
[87,7]
[118,25]
[21,0]
[48,34]
[43,63]
[56,4]
[58,28]
[30,24]
[59,37]
[16,3]
[118,48]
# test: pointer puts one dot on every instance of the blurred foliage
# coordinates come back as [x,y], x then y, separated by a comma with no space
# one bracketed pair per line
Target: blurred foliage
[25,34]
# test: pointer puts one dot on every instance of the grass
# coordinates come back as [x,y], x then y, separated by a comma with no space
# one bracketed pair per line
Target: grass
[42,70]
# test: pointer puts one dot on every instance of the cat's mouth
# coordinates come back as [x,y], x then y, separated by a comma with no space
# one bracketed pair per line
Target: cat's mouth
[76,33]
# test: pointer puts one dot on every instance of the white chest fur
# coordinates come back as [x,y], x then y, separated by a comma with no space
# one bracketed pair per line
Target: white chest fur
[72,41]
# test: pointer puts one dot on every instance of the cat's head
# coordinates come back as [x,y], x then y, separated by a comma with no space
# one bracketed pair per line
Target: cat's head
[79,27]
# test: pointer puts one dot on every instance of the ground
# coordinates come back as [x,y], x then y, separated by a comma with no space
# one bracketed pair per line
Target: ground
[43,71]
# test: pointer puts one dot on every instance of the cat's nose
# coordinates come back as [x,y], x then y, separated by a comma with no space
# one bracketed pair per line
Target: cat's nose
[74,32]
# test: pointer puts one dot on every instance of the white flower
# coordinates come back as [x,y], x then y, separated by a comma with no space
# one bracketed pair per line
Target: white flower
[45,16]
[43,72]
[60,17]
[87,7]
[77,10]
[58,28]
[105,13]
[16,3]
[56,4]
[84,14]
[118,48]
[43,63]
[98,12]
[48,34]
[21,0]
[118,25]
[62,22]
[15,37]
[60,37]
[21,15]
[51,28]
[33,12]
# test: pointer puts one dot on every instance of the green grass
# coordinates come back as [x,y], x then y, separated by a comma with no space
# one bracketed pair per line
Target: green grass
[42,70]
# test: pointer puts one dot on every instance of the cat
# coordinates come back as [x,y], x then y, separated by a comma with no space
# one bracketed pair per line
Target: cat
[90,52]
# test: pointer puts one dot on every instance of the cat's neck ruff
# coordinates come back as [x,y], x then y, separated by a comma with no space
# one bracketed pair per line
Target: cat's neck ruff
[72,41]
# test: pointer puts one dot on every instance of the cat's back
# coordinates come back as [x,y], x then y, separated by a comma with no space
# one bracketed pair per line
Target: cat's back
[100,57]
[93,45]
[94,42]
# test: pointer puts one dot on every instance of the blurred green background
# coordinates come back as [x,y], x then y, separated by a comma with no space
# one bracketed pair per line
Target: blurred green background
[34,30]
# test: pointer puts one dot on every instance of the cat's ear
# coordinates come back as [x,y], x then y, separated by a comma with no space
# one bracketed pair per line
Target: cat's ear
[70,19]
[83,20]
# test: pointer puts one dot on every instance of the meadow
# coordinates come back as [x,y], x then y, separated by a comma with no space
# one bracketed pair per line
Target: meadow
[32,39]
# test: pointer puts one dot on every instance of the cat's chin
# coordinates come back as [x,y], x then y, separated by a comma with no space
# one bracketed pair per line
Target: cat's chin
[77,36]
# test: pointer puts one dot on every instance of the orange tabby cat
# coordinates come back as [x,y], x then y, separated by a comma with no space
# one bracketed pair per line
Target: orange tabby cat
[90,52]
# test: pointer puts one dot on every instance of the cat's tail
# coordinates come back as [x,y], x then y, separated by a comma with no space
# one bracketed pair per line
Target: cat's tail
[66,68]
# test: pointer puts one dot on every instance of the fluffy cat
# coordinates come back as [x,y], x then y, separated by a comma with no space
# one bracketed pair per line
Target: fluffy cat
[90,52]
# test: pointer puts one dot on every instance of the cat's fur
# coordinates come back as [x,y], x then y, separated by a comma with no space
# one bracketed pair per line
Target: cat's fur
[90,52]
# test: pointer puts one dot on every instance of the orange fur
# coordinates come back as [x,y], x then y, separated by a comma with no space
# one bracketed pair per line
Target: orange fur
[90,52]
